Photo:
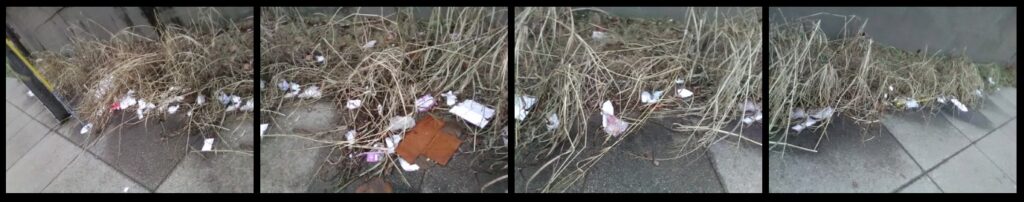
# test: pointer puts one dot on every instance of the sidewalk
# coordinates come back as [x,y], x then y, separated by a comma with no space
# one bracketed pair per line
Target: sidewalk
[727,167]
[44,156]
[912,152]
[294,165]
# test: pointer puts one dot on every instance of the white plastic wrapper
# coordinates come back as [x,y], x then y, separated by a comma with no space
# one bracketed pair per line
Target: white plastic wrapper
[284,85]
[798,113]
[235,103]
[599,35]
[941,99]
[350,135]
[293,90]
[804,125]
[263,129]
[450,98]
[823,113]
[959,105]
[747,120]
[320,59]
[473,112]
[977,92]
[208,144]
[683,93]
[424,103]
[749,106]
[86,128]
[392,143]
[612,125]
[679,81]
[650,97]
[30,94]
[757,117]
[911,103]
[553,122]
[200,100]
[522,105]
[370,44]
[311,92]
[401,123]
[408,167]
[990,81]
[172,109]
[353,104]
[247,107]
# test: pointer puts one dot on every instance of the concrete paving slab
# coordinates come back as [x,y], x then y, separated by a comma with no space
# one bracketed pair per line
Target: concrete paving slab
[1001,148]
[41,165]
[27,138]
[851,158]
[88,174]
[1006,98]
[217,172]
[739,164]
[929,139]
[628,167]
[971,171]
[146,152]
[214,173]
[922,185]
[978,121]
[289,164]
[46,118]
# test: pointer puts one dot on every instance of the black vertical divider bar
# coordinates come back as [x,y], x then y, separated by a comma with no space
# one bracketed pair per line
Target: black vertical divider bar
[510,13]
[256,95]
[764,91]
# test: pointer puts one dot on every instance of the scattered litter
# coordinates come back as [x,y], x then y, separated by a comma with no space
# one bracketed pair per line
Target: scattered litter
[823,113]
[474,112]
[977,92]
[86,128]
[424,103]
[749,106]
[990,81]
[143,107]
[401,123]
[263,129]
[683,93]
[320,59]
[679,81]
[235,103]
[103,86]
[450,98]
[200,100]
[890,88]
[612,125]
[522,104]
[407,166]
[293,90]
[649,97]
[350,135]
[370,44]
[747,120]
[353,104]
[311,92]
[127,101]
[372,157]
[808,123]
[284,85]
[172,109]
[392,143]
[248,106]
[959,105]
[30,94]
[262,84]
[553,122]
[941,99]
[598,35]
[797,113]
[757,117]
[911,103]
[208,144]
[125,189]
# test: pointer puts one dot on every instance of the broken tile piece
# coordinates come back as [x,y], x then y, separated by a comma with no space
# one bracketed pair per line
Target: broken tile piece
[417,140]
[442,147]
